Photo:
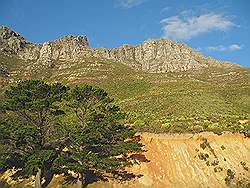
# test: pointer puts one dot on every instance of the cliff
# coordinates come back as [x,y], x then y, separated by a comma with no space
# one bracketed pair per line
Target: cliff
[152,56]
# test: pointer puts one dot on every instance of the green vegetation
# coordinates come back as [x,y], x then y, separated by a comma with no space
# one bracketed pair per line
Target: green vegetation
[49,129]
[212,99]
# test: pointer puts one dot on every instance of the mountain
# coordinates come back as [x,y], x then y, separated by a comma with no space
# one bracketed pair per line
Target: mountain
[164,87]
[209,95]
[151,56]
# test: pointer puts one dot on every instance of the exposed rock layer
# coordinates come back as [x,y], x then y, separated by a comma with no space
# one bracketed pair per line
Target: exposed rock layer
[185,161]
[152,56]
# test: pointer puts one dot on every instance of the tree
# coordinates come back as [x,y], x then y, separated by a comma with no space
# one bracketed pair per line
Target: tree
[29,131]
[49,129]
[100,142]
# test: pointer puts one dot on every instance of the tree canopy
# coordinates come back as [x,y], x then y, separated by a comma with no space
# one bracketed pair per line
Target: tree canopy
[48,129]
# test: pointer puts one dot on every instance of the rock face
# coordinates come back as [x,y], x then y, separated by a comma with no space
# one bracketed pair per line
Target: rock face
[67,48]
[162,56]
[151,56]
[11,42]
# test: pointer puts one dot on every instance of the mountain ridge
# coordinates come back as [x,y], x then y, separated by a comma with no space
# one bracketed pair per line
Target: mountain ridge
[161,55]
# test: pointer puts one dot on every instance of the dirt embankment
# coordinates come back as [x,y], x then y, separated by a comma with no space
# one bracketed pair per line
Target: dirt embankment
[200,160]
[195,161]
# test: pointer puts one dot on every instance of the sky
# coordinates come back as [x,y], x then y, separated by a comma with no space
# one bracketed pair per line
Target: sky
[217,28]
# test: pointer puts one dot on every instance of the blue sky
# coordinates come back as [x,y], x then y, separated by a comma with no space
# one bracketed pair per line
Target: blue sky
[218,28]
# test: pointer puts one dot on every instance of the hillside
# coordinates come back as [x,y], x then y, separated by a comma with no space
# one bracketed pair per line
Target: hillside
[209,99]
[213,96]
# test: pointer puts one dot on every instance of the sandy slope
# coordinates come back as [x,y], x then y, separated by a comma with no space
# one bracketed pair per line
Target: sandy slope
[179,161]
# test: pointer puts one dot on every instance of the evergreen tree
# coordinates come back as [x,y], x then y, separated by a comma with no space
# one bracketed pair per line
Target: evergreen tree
[100,142]
[30,134]
[49,129]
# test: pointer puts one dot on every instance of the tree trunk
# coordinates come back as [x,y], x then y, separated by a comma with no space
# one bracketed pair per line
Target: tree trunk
[38,178]
[48,178]
[81,183]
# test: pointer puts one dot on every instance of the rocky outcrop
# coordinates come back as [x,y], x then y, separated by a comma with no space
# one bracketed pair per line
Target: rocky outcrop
[151,56]
[66,48]
[11,42]
[163,56]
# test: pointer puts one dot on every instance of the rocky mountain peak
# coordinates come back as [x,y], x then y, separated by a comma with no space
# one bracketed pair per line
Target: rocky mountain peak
[6,33]
[163,55]
[11,42]
[153,55]
[73,41]
[67,47]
